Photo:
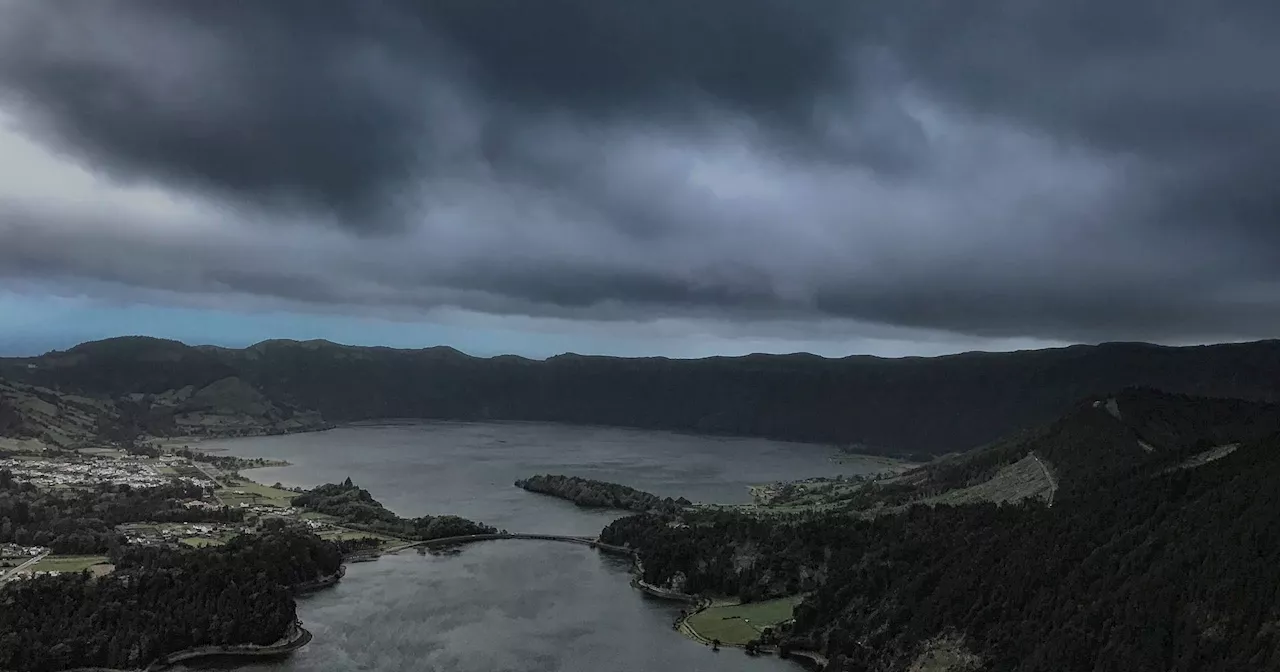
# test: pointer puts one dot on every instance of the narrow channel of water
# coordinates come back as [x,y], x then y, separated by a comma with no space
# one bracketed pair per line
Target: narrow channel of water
[512,605]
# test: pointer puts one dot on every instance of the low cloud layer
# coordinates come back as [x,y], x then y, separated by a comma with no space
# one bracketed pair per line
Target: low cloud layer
[995,170]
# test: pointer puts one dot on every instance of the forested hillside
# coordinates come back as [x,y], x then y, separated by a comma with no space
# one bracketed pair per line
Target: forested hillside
[1155,565]
[1100,442]
[355,507]
[159,601]
[899,406]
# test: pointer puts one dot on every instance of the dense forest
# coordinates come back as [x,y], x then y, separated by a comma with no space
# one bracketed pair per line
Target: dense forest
[909,406]
[307,557]
[1152,569]
[82,521]
[355,507]
[159,601]
[587,492]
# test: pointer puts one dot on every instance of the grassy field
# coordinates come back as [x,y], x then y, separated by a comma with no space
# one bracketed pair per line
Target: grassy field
[353,534]
[188,471]
[739,624]
[255,494]
[201,542]
[67,563]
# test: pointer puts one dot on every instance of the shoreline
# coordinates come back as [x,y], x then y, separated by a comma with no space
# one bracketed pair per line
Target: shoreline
[889,464]
[296,638]
[886,468]
[807,659]
[193,440]
[661,593]
[320,583]
[811,660]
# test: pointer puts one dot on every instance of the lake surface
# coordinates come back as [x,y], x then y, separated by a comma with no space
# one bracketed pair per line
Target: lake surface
[512,605]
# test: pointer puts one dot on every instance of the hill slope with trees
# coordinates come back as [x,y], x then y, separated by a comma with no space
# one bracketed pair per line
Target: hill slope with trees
[159,601]
[1139,565]
[1100,442]
[356,508]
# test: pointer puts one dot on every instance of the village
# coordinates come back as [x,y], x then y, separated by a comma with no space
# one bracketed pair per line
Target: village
[90,468]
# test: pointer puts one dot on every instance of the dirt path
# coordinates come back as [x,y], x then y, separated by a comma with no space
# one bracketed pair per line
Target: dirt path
[1053,482]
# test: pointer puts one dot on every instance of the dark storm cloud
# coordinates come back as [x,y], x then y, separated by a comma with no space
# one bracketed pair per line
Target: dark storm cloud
[1187,85]
[1082,170]
[296,110]
[336,104]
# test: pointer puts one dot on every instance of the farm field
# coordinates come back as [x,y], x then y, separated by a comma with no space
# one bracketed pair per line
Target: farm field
[67,563]
[254,494]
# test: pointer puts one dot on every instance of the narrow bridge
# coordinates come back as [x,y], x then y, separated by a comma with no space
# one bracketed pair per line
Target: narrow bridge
[470,538]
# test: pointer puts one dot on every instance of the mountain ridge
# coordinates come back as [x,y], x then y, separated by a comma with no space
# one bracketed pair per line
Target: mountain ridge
[917,406]
[321,342]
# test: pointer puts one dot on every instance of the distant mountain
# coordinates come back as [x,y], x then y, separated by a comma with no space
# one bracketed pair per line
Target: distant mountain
[923,406]
[116,391]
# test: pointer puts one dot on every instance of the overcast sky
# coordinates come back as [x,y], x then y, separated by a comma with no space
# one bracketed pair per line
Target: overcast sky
[666,177]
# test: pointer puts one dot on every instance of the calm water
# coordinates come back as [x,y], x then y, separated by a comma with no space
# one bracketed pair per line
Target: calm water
[512,605]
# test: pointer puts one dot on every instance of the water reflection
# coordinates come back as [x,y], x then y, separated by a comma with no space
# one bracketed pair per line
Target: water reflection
[513,604]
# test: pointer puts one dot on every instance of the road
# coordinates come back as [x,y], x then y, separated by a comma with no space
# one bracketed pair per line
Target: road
[14,572]
[1053,482]
[204,469]
[466,539]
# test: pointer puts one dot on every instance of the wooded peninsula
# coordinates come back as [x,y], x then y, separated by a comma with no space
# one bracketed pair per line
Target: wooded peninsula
[601,494]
